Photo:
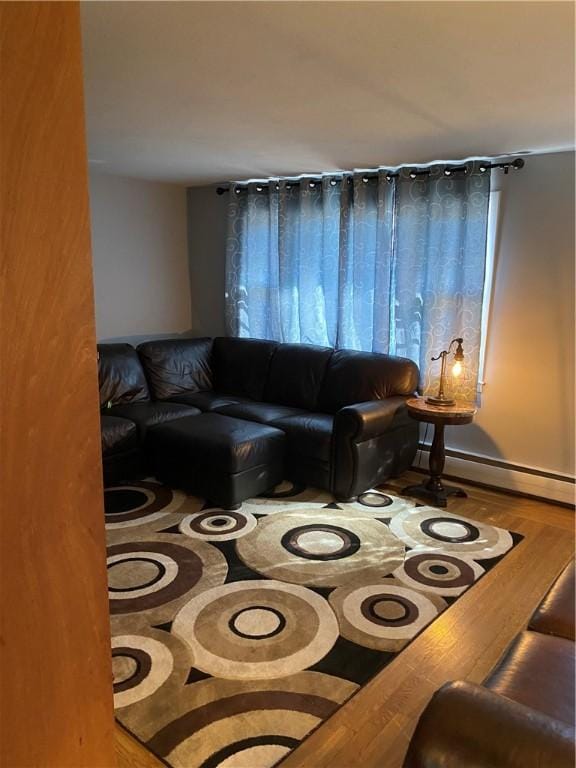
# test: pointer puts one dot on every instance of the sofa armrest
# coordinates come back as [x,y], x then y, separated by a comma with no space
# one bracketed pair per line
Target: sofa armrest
[364,421]
[468,726]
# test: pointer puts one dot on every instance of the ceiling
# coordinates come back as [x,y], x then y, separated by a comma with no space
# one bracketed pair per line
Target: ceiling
[198,92]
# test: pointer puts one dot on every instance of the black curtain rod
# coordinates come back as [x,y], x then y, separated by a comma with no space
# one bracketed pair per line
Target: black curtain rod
[414,173]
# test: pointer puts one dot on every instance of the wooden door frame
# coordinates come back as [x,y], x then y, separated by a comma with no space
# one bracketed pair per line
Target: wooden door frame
[56,678]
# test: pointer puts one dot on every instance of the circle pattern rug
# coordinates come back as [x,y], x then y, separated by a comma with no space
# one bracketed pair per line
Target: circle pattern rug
[321,547]
[237,633]
[257,629]
[217,525]
[383,616]
[154,575]
[433,528]
[438,573]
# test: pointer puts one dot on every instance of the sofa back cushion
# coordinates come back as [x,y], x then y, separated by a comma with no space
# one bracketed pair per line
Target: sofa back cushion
[177,366]
[356,377]
[296,374]
[120,375]
[241,366]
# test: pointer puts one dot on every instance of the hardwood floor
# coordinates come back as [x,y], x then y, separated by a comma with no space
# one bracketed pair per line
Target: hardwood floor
[373,729]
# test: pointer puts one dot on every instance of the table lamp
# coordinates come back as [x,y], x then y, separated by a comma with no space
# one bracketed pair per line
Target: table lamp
[441,398]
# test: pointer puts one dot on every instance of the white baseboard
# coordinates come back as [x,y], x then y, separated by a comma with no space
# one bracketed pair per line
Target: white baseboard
[512,477]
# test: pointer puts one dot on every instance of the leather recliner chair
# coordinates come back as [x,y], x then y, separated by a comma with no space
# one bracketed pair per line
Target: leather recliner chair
[523,715]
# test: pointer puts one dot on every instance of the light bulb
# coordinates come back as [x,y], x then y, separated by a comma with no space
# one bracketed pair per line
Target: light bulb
[457,368]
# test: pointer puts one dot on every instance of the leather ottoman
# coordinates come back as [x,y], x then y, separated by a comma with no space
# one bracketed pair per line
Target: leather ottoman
[223,459]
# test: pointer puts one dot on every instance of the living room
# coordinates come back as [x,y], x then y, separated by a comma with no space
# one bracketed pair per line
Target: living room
[326,375]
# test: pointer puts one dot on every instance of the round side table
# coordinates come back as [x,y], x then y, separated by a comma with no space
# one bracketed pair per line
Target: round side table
[433,490]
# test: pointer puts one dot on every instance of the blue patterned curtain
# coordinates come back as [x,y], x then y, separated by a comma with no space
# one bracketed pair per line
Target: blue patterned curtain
[282,262]
[367,263]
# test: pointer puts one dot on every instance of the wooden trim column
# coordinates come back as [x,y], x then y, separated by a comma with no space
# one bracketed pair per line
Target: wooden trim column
[55,686]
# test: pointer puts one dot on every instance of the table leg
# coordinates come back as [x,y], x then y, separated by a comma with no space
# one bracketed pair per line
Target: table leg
[434,490]
[436,460]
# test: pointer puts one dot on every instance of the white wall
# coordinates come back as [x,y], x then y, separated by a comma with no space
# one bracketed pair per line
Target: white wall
[139,253]
[207,249]
[527,408]
[527,413]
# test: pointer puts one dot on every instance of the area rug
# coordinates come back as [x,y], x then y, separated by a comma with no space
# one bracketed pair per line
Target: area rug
[236,634]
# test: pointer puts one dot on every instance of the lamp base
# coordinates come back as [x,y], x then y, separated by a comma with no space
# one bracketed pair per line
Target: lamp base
[440,401]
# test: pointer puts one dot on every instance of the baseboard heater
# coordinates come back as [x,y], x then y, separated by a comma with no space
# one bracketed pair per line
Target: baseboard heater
[526,481]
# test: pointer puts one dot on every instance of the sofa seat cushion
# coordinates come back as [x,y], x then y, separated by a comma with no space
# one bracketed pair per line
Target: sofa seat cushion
[118,435]
[308,435]
[265,413]
[146,415]
[228,444]
[208,401]
[538,671]
[555,614]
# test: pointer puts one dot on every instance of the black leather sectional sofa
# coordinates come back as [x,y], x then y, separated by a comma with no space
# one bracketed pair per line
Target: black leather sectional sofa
[228,418]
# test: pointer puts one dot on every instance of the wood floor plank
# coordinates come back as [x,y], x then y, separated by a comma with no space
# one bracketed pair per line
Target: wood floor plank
[131,754]
[373,729]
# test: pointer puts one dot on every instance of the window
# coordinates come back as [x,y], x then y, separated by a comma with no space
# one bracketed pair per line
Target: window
[394,266]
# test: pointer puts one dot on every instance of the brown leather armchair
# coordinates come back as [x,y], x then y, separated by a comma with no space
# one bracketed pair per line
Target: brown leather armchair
[523,715]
